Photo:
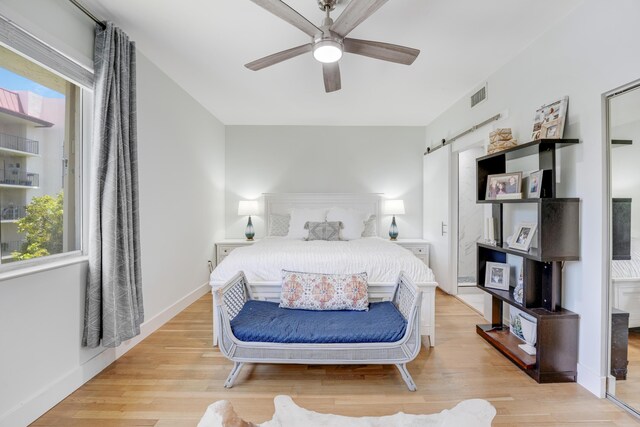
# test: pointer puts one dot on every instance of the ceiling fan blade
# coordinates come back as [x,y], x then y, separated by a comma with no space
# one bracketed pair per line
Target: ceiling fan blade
[378,50]
[353,15]
[331,73]
[284,11]
[275,58]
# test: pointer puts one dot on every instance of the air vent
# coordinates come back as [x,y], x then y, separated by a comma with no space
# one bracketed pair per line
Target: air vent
[479,96]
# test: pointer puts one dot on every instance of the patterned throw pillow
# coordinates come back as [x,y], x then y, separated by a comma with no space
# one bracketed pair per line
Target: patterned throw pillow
[326,230]
[279,224]
[316,291]
[370,227]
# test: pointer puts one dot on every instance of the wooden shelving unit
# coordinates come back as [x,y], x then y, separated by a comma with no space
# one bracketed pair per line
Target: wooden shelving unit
[507,343]
[557,241]
[497,163]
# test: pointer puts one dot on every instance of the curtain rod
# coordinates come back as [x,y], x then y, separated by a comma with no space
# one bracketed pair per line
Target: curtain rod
[87,12]
[460,135]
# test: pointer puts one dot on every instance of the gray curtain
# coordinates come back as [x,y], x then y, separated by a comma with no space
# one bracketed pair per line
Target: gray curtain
[113,309]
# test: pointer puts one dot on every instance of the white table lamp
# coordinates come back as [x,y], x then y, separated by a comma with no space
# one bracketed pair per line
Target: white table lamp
[393,207]
[248,208]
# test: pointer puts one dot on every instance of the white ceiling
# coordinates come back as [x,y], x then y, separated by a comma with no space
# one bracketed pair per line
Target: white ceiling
[203,45]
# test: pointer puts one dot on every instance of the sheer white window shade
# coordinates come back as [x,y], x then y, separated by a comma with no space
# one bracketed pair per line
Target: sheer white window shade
[22,42]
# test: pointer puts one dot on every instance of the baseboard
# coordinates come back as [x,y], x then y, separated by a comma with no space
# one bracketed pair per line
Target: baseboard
[462,290]
[52,394]
[592,381]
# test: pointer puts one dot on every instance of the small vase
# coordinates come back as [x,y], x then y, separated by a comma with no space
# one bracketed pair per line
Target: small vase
[393,230]
[248,232]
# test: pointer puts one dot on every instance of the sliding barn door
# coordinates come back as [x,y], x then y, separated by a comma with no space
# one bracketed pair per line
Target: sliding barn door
[437,213]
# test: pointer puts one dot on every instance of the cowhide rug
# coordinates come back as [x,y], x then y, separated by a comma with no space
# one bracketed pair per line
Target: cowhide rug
[472,413]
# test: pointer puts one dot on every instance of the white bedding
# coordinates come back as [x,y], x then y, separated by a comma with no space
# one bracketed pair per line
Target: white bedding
[628,269]
[380,258]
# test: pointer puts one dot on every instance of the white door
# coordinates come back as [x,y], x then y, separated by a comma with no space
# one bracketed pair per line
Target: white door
[437,214]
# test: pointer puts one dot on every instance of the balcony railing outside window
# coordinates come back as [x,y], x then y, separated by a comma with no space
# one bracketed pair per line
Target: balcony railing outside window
[8,248]
[15,177]
[13,213]
[17,143]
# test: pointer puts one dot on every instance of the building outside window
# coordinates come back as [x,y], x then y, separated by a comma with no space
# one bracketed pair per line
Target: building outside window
[39,160]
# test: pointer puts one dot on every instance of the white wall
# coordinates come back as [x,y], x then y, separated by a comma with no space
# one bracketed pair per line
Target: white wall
[182,171]
[313,159]
[181,174]
[591,52]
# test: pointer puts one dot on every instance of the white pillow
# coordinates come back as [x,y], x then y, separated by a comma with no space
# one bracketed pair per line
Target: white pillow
[370,227]
[279,224]
[299,217]
[352,221]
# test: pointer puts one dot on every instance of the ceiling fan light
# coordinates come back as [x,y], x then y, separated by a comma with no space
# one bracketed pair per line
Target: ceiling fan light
[327,51]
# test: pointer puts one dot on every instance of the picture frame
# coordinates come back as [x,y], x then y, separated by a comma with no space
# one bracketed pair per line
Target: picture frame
[497,276]
[515,321]
[534,184]
[515,325]
[550,130]
[523,236]
[504,186]
[549,120]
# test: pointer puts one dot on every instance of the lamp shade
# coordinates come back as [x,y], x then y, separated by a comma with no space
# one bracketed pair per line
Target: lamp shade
[393,207]
[248,207]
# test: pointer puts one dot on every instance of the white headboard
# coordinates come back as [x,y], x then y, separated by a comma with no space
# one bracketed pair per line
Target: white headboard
[282,203]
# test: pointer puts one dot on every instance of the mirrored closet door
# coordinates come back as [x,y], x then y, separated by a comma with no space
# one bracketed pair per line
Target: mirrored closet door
[624,292]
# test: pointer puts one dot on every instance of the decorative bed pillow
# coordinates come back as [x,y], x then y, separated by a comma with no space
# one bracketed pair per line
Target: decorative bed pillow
[352,220]
[299,217]
[279,224]
[370,227]
[316,291]
[323,230]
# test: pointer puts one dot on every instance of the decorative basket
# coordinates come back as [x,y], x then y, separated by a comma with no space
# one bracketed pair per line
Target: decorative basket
[501,139]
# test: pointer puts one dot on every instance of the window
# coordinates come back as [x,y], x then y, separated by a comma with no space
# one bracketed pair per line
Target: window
[40,161]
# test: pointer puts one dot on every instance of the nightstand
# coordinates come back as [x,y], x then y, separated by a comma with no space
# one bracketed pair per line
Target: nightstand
[225,247]
[419,247]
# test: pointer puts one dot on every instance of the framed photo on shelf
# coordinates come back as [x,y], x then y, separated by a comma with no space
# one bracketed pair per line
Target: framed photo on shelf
[515,324]
[504,186]
[523,236]
[497,276]
[534,184]
[516,317]
[549,120]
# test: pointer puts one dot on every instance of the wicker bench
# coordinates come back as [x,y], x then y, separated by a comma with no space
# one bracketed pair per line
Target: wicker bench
[230,299]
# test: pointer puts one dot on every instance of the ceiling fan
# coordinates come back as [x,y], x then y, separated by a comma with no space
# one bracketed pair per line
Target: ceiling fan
[329,41]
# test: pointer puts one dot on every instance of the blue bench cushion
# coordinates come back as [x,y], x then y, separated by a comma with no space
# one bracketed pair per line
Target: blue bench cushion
[263,321]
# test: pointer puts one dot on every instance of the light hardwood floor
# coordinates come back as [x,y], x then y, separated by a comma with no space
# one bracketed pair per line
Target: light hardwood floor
[172,376]
[628,390]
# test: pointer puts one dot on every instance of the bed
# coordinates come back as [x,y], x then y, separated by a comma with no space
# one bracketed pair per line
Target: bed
[625,283]
[381,259]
